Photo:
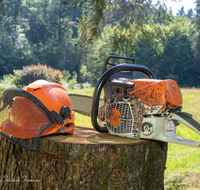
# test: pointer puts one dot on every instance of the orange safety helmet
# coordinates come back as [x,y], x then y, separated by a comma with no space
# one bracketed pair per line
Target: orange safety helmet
[54,97]
[40,109]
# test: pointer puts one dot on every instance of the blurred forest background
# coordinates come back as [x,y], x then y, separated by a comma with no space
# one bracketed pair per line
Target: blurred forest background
[46,32]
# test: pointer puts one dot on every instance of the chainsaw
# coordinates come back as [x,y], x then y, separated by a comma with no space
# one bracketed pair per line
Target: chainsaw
[136,105]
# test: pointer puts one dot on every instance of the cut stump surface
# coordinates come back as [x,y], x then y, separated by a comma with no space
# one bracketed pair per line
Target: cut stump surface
[85,160]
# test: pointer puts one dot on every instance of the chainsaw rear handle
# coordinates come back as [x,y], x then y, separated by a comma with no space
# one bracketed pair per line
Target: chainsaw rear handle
[187,121]
[114,57]
[101,83]
[164,128]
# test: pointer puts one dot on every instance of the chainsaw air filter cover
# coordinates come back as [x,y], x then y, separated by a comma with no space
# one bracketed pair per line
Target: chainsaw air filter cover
[128,117]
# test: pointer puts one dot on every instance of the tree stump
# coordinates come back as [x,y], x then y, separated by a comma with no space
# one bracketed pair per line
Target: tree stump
[86,160]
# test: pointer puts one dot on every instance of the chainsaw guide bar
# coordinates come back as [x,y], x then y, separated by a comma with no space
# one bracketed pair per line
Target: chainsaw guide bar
[82,103]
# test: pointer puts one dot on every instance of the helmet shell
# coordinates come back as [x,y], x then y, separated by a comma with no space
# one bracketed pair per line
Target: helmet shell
[54,97]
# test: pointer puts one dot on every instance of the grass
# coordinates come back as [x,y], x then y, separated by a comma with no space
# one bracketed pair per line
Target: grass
[183,162]
[85,91]
[81,120]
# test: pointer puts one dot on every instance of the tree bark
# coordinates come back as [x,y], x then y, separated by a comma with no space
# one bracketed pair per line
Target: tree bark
[86,160]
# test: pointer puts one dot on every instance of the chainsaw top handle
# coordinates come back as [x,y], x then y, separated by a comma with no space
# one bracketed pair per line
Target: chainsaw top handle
[114,57]
[101,83]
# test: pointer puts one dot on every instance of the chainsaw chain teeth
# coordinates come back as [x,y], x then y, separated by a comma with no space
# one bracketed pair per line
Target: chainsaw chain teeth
[80,95]
[81,112]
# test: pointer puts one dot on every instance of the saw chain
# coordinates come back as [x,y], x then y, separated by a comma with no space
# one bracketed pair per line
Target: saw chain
[82,96]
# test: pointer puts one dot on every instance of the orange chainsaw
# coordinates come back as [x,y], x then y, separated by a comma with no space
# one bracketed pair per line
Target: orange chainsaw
[136,105]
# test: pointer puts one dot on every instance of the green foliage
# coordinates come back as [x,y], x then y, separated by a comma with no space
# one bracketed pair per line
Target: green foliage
[197,42]
[35,72]
[6,82]
[66,75]
[126,18]
[72,82]
[46,32]
[177,60]
[83,72]
[15,51]
[38,31]
[9,55]
[2,9]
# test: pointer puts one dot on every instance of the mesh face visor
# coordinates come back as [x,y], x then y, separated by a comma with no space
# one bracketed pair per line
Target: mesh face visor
[24,118]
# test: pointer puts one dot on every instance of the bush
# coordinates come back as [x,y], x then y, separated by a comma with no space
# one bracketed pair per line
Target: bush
[35,72]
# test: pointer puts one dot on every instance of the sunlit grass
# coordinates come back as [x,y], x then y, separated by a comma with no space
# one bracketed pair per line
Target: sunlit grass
[82,120]
[182,159]
[85,91]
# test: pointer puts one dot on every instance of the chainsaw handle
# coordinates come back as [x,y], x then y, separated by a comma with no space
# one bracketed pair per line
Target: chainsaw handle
[187,121]
[101,83]
[114,57]
[164,129]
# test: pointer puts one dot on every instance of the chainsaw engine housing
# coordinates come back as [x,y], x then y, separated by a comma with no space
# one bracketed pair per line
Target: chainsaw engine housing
[146,98]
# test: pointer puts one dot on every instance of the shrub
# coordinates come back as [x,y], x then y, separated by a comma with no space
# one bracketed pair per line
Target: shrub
[72,82]
[31,73]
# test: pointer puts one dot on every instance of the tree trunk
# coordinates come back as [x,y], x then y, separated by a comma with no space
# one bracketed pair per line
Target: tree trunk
[86,160]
